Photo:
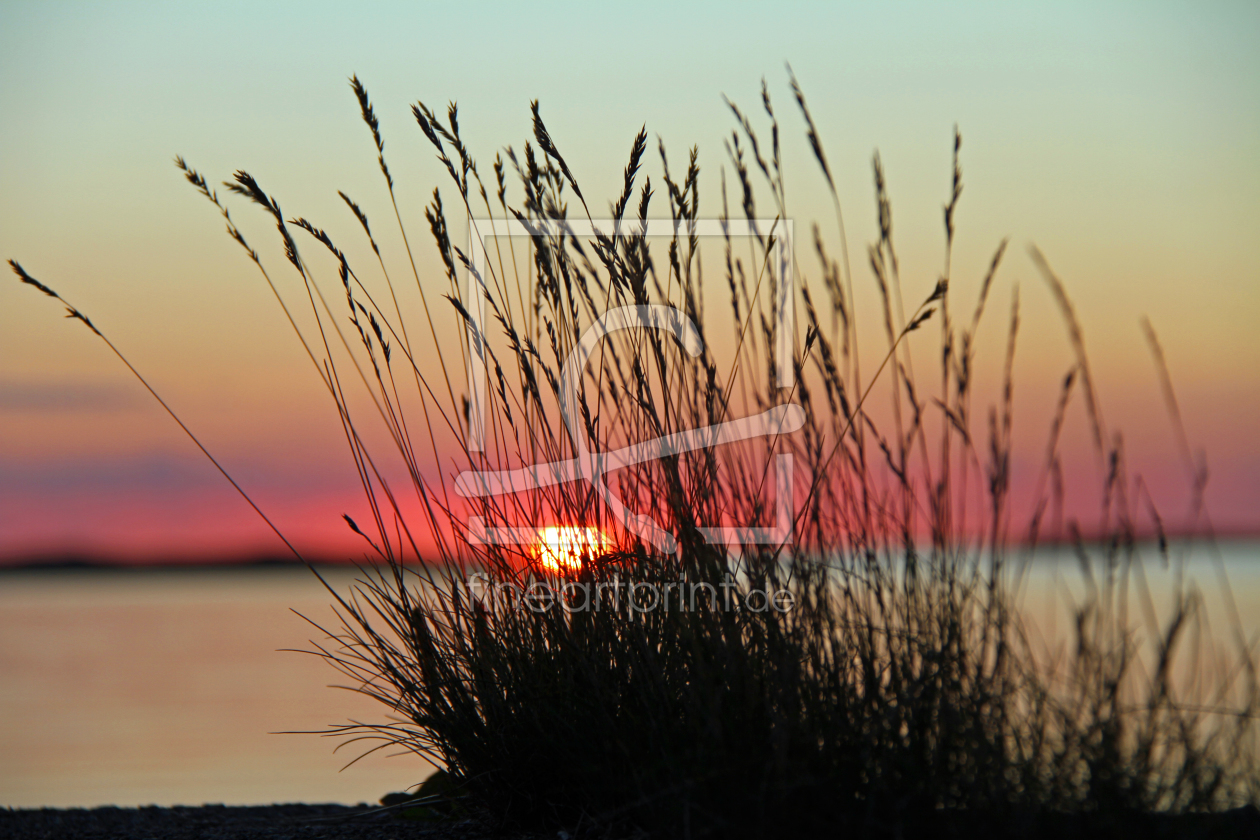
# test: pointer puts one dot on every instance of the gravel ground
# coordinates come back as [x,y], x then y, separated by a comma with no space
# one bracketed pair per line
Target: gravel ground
[300,822]
[217,822]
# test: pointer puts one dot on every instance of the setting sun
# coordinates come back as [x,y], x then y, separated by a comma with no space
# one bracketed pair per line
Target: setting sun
[563,548]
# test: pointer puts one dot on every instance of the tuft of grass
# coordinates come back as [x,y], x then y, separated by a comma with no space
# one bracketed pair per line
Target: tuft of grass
[903,682]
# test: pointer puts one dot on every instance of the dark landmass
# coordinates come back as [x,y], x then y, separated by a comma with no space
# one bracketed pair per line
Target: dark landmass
[80,562]
[73,562]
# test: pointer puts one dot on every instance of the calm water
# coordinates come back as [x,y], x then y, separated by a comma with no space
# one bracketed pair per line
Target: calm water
[161,687]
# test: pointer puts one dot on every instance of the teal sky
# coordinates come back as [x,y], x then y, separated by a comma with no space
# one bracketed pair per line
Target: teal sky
[1124,139]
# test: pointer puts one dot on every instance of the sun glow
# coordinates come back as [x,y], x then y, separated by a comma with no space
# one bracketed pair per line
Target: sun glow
[564,548]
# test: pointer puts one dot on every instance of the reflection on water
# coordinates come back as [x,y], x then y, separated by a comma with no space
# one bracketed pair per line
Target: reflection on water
[161,686]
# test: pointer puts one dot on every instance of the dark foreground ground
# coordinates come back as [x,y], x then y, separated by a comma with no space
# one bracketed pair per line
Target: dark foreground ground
[216,822]
[300,822]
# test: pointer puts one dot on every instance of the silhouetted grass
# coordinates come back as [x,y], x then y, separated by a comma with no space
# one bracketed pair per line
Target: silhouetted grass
[903,682]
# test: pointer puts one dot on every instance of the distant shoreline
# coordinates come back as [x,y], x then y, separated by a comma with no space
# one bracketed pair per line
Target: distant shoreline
[75,561]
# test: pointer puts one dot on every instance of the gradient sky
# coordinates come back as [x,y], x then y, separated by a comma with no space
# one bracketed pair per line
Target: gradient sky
[1122,139]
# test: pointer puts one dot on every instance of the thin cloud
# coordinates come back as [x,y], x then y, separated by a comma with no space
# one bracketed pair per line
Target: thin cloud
[65,397]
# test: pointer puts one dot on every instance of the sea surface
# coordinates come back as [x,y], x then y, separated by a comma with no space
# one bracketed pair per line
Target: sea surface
[167,686]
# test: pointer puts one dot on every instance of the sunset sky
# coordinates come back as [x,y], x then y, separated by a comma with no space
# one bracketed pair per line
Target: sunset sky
[1122,139]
